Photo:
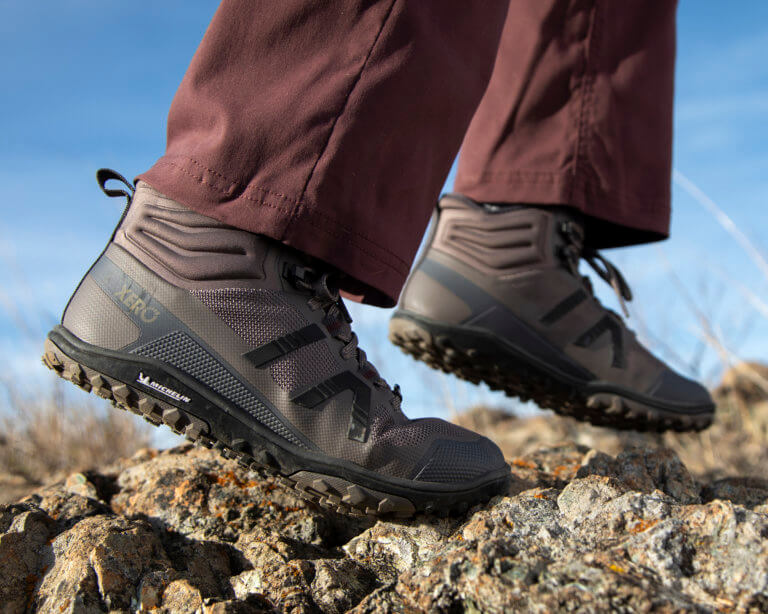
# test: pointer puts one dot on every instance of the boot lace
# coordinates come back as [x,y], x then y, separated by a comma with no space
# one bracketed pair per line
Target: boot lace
[574,250]
[337,320]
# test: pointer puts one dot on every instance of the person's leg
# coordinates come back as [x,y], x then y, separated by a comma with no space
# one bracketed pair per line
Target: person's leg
[307,137]
[578,112]
[568,151]
[330,126]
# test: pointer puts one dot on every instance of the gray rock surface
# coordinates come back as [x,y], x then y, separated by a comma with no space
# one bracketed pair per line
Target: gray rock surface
[185,530]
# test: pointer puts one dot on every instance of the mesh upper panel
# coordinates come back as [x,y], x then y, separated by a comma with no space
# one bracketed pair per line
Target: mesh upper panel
[461,461]
[185,354]
[396,445]
[308,365]
[423,431]
[257,316]
[261,316]
[409,440]
[94,318]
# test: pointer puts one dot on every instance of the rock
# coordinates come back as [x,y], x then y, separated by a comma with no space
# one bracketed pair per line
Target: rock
[99,562]
[389,549]
[584,497]
[78,484]
[24,554]
[185,530]
[645,470]
[746,381]
[749,492]
[339,584]
[735,445]
[550,466]
[181,596]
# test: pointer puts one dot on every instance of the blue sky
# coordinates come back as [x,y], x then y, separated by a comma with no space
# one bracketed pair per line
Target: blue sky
[87,84]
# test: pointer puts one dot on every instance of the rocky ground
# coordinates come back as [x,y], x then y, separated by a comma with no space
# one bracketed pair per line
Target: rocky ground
[185,530]
[605,522]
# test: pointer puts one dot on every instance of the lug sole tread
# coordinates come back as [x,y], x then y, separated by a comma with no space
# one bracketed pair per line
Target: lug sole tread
[528,383]
[329,492]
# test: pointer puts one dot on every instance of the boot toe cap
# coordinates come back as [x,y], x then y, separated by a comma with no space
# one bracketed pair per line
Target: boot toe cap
[675,389]
[462,461]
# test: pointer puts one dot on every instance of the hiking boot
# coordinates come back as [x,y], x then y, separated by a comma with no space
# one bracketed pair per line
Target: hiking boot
[244,345]
[498,298]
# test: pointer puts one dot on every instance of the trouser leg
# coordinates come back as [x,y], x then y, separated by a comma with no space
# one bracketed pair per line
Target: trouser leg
[330,126]
[578,112]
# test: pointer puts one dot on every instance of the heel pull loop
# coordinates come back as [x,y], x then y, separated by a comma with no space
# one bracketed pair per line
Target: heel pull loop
[107,174]
[102,176]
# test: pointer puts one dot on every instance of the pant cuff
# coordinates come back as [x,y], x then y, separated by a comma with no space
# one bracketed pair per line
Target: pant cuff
[613,219]
[373,275]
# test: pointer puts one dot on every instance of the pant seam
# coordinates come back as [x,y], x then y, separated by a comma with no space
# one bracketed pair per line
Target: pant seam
[350,231]
[594,51]
[220,190]
[341,111]
[587,87]
[291,211]
[238,183]
[356,244]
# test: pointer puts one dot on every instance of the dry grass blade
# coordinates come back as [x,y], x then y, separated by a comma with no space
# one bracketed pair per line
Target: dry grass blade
[46,437]
[723,219]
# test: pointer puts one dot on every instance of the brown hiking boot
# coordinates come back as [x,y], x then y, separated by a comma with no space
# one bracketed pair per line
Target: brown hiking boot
[242,344]
[497,297]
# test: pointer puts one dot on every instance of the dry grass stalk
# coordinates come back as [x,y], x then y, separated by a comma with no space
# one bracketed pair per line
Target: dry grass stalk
[45,437]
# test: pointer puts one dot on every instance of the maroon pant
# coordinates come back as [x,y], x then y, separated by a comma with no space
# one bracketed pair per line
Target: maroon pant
[331,126]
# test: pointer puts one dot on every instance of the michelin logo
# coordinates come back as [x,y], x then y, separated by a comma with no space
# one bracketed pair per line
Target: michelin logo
[147,381]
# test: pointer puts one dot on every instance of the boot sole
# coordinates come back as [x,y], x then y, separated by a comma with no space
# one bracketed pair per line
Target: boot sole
[105,374]
[478,356]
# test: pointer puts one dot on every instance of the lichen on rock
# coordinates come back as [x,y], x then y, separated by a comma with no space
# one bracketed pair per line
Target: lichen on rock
[185,530]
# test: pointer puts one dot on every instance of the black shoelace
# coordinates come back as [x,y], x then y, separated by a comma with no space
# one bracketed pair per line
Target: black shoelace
[325,296]
[574,250]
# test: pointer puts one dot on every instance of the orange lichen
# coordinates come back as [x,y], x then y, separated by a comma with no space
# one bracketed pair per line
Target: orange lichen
[642,525]
[564,471]
[30,582]
[615,568]
[521,462]
[230,478]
